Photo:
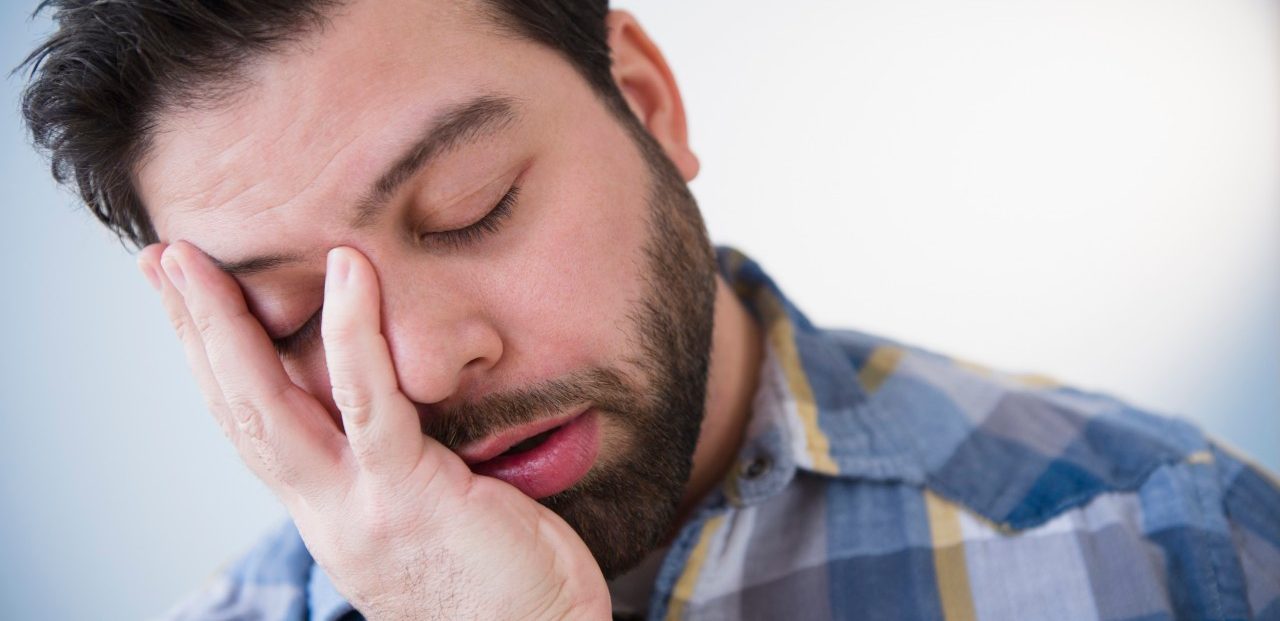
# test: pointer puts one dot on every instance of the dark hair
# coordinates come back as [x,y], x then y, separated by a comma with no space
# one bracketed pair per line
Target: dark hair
[100,80]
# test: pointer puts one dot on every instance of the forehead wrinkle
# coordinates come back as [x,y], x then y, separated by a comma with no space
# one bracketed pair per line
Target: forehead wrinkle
[318,176]
[301,130]
[174,126]
[210,203]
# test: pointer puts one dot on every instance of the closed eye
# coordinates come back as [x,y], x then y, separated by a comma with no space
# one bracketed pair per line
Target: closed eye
[474,232]
[292,345]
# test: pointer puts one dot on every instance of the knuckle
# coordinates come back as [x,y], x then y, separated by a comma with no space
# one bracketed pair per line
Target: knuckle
[356,404]
[247,417]
[337,329]
[259,453]
[180,325]
[204,324]
[338,332]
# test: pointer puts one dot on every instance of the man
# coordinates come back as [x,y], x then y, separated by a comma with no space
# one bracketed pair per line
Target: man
[436,269]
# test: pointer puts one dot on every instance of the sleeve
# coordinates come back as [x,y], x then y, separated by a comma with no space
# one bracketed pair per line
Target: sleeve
[1251,502]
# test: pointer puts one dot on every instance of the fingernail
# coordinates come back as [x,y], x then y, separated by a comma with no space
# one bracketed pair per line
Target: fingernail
[174,271]
[150,274]
[339,268]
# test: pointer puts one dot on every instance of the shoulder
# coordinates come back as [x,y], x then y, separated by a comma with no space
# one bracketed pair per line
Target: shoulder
[1095,490]
[269,582]
[1251,509]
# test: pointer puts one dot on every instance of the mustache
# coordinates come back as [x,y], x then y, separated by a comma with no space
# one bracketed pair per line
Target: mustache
[605,388]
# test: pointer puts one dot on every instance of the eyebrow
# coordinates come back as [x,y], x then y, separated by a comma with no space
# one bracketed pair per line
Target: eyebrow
[255,265]
[455,126]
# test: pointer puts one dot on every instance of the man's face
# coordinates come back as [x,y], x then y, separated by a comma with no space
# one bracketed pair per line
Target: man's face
[591,283]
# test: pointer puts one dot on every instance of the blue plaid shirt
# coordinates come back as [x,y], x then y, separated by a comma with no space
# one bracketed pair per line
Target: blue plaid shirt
[881,481]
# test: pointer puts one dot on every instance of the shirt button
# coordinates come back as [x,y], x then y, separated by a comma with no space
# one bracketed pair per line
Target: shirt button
[757,467]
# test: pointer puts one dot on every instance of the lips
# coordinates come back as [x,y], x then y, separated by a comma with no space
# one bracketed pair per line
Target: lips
[540,459]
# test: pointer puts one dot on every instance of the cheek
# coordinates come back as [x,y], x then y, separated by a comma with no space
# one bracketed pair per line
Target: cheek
[576,272]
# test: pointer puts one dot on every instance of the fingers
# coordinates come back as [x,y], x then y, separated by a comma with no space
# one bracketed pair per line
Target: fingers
[176,309]
[294,444]
[381,423]
[193,347]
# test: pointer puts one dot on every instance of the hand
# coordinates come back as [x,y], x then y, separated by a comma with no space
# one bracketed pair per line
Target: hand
[399,523]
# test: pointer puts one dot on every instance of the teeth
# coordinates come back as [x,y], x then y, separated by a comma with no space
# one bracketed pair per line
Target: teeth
[529,443]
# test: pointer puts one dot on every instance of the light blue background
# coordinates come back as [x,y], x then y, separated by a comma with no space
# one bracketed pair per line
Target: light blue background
[119,494]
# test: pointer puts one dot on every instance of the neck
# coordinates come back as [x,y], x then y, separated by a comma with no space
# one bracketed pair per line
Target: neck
[731,385]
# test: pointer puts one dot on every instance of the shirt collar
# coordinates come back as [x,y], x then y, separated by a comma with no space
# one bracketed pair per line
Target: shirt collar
[811,410]
[1014,449]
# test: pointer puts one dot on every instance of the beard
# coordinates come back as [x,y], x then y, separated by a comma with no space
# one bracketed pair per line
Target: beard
[624,506]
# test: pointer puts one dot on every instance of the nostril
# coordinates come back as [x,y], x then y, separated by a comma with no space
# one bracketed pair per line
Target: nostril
[477,363]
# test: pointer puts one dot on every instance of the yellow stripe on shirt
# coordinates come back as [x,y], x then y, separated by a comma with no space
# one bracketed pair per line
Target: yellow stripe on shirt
[782,339]
[879,366]
[692,569]
[948,559]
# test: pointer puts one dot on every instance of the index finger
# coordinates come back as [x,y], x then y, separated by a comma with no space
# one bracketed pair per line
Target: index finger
[381,422]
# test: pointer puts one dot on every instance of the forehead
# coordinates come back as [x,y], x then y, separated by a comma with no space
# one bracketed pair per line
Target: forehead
[318,120]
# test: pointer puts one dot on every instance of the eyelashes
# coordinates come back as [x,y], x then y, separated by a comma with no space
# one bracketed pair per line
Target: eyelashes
[458,238]
[294,344]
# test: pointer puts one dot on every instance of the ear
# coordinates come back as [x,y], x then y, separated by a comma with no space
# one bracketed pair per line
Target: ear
[649,89]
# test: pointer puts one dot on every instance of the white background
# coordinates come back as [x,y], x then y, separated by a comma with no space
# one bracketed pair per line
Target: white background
[1086,189]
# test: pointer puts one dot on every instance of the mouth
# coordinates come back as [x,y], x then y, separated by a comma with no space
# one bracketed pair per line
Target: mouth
[540,459]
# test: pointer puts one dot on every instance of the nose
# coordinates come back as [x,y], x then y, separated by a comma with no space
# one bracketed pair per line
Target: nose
[439,336]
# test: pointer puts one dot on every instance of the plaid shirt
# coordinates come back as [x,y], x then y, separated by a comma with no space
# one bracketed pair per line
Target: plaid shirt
[880,481]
